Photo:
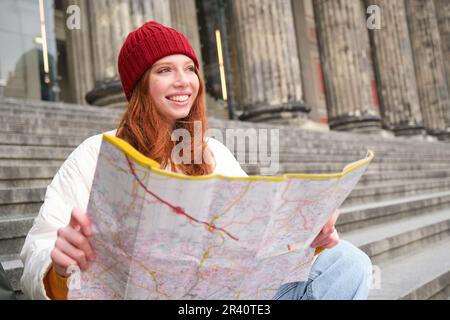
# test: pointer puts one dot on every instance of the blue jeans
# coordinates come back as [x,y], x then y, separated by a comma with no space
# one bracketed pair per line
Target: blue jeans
[343,272]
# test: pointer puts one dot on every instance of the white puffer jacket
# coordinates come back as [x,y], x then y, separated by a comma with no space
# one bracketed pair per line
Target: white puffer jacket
[71,188]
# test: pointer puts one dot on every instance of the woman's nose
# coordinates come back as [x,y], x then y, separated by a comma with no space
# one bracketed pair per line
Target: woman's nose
[181,79]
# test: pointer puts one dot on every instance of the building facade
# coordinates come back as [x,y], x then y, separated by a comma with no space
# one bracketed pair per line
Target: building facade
[356,65]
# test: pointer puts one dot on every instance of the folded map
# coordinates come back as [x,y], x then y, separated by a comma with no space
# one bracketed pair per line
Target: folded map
[164,235]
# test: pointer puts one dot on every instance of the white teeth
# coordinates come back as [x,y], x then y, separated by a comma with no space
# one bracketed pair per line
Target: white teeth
[179,98]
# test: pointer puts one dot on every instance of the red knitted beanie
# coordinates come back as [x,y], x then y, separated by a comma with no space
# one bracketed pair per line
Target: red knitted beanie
[146,45]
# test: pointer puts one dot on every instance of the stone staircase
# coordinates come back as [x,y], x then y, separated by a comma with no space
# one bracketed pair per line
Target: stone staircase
[399,213]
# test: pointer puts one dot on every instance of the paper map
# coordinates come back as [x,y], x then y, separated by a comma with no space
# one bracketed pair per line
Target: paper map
[163,235]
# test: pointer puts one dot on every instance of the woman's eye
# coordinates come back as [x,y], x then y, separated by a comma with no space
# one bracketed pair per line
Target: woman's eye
[191,68]
[163,70]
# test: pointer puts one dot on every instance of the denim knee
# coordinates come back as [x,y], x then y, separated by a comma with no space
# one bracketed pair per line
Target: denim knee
[348,254]
[350,257]
[342,272]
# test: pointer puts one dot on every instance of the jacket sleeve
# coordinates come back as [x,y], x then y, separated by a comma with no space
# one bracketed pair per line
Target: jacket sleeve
[69,188]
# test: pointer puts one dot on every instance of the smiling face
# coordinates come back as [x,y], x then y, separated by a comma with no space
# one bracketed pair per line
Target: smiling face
[173,86]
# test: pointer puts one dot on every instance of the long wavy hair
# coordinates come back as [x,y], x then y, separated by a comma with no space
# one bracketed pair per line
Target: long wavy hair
[149,132]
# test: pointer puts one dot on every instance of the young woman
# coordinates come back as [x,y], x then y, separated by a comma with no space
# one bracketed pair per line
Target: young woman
[159,73]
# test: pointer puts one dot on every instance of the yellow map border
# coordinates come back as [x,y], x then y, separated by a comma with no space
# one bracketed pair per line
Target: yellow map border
[155,166]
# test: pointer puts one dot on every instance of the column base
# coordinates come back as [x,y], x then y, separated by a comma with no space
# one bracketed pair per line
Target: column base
[107,94]
[267,113]
[363,124]
[442,135]
[408,130]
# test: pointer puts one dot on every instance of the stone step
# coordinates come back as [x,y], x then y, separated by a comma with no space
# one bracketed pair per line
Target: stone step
[11,246]
[354,153]
[52,130]
[357,150]
[16,227]
[56,107]
[44,123]
[328,142]
[25,183]
[30,162]
[444,294]
[322,147]
[289,136]
[287,161]
[34,113]
[27,172]
[336,167]
[362,216]
[285,157]
[373,166]
[383,242]
[302,136]
[34,152]
[385,191]
[11,152]
[350,155]
[298,135]
[26,176]
[360,193]
[307,156]
[286,131]
[44,168]
[29,176]
[41,140]
[13,231]
[22,195]
[12,210]
[416,275]
[373,177]
[13,267]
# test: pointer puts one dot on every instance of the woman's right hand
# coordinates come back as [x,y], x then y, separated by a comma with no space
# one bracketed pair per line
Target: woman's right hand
[72,245]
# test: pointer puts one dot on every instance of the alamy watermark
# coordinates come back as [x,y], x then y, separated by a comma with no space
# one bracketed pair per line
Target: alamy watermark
[373,22]
[375,280]
[252,146]
[74,273]
[73,21]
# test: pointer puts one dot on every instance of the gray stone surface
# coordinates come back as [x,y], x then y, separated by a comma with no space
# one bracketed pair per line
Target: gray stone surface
[417,275]
[381,238]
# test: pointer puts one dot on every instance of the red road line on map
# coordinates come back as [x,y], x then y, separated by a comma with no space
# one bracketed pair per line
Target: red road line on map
[175,209]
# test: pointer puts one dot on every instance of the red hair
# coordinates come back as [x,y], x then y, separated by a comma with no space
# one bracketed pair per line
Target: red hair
[147,131]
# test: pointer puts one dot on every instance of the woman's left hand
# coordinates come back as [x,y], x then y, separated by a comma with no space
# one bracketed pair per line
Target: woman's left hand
[328,237]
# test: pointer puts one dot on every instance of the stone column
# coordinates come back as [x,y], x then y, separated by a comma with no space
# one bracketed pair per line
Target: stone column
[345,56]
[268,60]
[79,54]
[110,23]
[443,16]
[308,48]
[429,66]
[184,19]
[394,67]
